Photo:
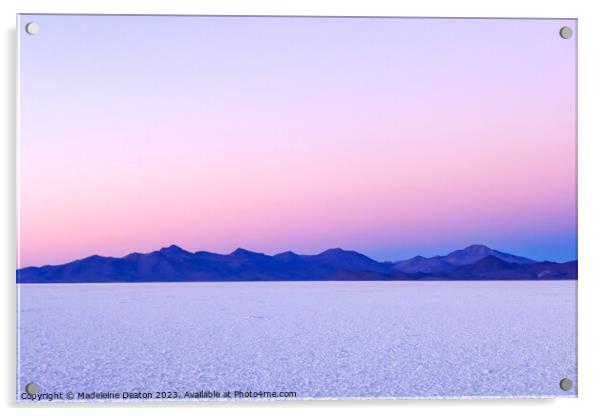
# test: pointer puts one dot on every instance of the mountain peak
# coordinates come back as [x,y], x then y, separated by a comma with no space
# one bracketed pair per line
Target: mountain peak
[476,252]
[173,249]
[286,254]
[243,252]
[336,250]
[421,264]
[477,248]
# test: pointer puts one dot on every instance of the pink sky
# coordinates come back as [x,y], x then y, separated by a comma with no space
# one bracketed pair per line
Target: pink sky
[392,137]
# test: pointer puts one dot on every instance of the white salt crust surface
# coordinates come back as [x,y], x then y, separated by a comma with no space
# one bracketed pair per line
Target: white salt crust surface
[319,339]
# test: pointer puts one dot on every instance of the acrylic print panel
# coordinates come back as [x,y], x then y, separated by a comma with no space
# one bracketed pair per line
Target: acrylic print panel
[247,208]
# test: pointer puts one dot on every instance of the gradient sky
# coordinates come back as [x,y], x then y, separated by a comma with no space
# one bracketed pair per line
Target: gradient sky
[393,137]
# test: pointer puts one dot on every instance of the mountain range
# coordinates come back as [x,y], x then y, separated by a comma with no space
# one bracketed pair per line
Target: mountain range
[173,264]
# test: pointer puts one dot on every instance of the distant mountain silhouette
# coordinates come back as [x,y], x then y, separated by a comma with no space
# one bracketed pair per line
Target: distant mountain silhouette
[420,264]
[174,264]
[466,256]
[476,252]
[493,268]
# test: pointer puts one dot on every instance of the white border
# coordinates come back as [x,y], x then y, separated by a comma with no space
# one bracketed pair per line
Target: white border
[590,199]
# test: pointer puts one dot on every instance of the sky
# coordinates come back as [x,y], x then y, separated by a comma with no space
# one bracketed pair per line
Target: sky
[393,137]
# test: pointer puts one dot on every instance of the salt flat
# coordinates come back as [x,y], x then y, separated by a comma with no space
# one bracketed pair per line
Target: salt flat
[319,339]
